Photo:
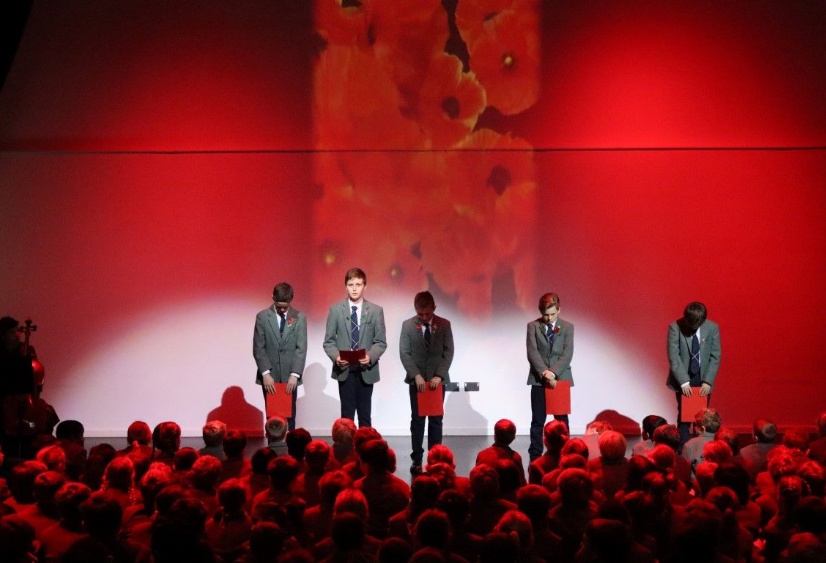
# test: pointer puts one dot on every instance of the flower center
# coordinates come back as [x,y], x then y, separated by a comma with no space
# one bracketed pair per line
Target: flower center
[499,179]
[450,106]
[508,62]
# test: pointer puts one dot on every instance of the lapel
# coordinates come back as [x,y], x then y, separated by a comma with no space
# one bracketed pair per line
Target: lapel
[273,320]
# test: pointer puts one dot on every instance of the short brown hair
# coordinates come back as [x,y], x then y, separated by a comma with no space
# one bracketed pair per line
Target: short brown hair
[355,273]
[547,301]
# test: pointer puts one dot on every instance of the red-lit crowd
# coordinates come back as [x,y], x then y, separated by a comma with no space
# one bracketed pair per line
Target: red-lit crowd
[585,499]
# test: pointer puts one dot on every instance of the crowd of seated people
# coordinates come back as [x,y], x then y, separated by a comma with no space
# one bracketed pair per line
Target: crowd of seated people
[303,499]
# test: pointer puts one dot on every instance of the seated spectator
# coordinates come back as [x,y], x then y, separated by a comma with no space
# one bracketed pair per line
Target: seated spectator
[17,540]
[669,435]
[610,540]
[317,519]
[119,481]
[56,539]
[424,492]
[441,454]
[386,494]
[591,436]
[609,471]
[363,435]
[554,435]
[258,480]
[150,485]
[282,472]
[69,434]
[349,502]
[179,535]
[297,440]
[213,434]
[235,465]
[535,502]
[504,433]
[486,507]
[457,508]
[570,517]
[736,477]
[431,537]
[343,432]
[498,547]
[166,439]
[815,476]
[817,447]
[230,527]
[44,513]
[717,452]
[276,431]
[21,485]
[649,424]
[764,432]
[100,455]
[316,457]
[706,423]
[204,477]
[102,518]
[138,440]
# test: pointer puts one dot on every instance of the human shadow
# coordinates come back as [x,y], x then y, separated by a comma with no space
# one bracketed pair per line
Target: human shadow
[619,422]
[238,414]
[314,408]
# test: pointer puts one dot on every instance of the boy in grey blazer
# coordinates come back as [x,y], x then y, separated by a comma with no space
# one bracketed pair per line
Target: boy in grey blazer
[279,344]
[355,324]
[426,352]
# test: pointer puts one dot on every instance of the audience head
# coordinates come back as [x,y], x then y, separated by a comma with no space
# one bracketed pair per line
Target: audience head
[17,540]
[232,496]
[534,501]
[765,431]
[235,444]
[297,441]
[796,438]
[504,431]
[375,455]
[139,432]
[730,437]
[343,431]
[651,423]
[316,455]
[54,457]
[669,435]
[424,492]
[820,422]
[605,540]
[68,500]
[351,501]
[735,477]
[498,547]
[206,471]
[331,484]
[276,428]
[708,420]
[167,437]
[432,529]
[119,474]
[612,445]
[555,434]
[663,456]
[815,476]
[457,507]
[717,451]
[484,482]
[213,433]
[21,480]
[598,427]
[575,487]
[184,459]
[575,446]
[260,459]
[70,430]
[441,454]
[102,516]
[282,471]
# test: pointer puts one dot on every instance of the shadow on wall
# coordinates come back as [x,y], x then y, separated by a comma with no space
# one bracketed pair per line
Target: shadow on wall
[238,414]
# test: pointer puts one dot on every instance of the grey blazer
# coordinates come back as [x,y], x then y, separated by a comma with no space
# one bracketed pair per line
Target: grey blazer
[419,357]
[282,354]
[541,357]
[372,337]
[679,354]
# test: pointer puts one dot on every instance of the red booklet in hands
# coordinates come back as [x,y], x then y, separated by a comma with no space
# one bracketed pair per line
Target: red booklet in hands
[689,406]
[430,401]
[280,403]
[558,399]
[352,357]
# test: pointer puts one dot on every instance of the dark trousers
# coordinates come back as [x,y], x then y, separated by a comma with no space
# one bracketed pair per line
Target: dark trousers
[290,420]
[434,427]
[356,396]
[538,417]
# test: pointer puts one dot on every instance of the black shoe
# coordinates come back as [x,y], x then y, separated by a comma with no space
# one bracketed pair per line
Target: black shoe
[416,468]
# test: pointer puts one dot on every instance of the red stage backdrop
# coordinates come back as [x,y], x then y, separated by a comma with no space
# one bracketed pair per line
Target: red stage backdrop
[164,165]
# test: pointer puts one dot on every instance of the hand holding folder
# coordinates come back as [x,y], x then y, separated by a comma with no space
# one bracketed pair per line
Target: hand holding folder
[352,357]
[430,401]
[558,399]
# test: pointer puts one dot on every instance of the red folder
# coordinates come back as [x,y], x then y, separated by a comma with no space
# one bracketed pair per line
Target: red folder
[280,403]
[352,357]
[558,399]
[690,406]
[430,401]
